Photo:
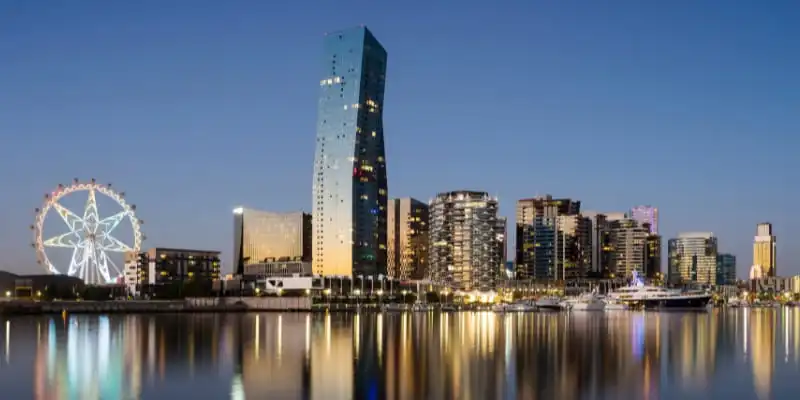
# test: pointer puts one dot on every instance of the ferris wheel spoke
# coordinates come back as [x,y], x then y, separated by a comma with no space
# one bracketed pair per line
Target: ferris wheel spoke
[68,216]
[77,261]
[113,265]
[115,246]
[66,240]
[102,265]
[111,223]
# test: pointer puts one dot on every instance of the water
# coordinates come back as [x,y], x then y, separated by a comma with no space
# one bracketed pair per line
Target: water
[743,354]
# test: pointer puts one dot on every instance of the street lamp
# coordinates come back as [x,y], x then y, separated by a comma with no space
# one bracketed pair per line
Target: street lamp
[404,293]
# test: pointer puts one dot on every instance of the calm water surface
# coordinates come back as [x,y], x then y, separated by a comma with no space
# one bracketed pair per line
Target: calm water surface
[744,354]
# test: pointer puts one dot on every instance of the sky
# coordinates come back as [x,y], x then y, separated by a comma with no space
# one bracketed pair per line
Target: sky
[196,107]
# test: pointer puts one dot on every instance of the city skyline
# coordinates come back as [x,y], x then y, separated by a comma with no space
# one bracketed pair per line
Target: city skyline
[92,104]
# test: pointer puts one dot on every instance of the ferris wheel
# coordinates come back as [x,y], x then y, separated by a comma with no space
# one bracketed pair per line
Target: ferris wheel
[89,236]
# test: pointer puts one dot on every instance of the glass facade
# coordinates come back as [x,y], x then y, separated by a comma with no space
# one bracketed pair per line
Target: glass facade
[268,236]
[407,239]
[726,269]
[350,188]
[466,239]
[765,250]
[539,240]
[693,258]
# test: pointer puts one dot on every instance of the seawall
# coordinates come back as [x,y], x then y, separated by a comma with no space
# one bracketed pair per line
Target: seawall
[189,305]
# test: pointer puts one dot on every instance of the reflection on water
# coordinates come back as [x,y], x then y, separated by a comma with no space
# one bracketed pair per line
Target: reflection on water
[742,354]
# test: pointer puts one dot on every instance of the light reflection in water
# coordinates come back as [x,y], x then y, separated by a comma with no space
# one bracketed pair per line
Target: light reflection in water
[407,355]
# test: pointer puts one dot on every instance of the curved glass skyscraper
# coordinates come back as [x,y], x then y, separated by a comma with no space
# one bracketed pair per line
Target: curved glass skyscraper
[350,189]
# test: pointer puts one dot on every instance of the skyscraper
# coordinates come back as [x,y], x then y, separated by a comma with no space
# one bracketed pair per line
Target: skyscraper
[350,188]
[537,235]
[726,269]
[407,239]
[646,215]
[693,258]
[466,240]
[629,239]
[765,250]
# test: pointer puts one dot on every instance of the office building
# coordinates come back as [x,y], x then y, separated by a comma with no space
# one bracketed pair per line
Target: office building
[163,265]
[602,246]
[536,235]
[652,261]
[693,258]
[263,236]
[629,241]
[726,269]
[407,239]
[765,250]
[350,188]
[646,215]
[465,241]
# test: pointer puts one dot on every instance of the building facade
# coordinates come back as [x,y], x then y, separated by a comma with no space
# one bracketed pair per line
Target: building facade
[629,242]
[693,258]
[465,250]
[407,239]
[349,185]
[536,235]
[163,265]
[652,262]
[726,269]
[263,236]
[646,215]
[765,250]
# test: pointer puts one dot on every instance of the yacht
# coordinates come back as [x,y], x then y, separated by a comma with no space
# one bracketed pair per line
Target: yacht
[394,307]
[589,302]
[549,303]
[519,306]
[421,307]
[613,305]
[655,297]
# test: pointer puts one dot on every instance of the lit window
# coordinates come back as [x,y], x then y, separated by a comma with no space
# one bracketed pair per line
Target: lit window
[374,134]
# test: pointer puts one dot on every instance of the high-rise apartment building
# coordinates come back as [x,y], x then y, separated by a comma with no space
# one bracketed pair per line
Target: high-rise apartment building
[350,188]
[537,234]
[726,269]
[765,250]
[407,239]
[573,247]
[693,258]
[263,236]
[629,240]
[465,251]
[646,215]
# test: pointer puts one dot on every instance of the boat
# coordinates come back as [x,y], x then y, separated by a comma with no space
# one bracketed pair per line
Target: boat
[588,302]
[421,307]
[613,305]
[735,302]
[519,306]
[656,297]
[449,307]
[549,303]
[395,307]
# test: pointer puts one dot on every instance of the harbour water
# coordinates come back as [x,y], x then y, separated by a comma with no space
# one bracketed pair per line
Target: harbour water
[743,354]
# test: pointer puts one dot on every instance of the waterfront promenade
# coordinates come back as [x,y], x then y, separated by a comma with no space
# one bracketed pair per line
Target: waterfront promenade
[189,305]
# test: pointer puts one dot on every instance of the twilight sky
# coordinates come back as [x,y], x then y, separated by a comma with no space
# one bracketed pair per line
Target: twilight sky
[193,107]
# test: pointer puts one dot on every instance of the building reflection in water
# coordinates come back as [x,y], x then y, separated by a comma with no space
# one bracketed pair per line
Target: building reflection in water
[404,355]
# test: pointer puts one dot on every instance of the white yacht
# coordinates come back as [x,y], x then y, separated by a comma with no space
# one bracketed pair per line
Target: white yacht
[655,297]
[589,302]
[549,303]
[518,306]
[613,305]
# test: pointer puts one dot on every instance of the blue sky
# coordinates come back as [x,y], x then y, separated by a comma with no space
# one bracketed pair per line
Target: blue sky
[195,107]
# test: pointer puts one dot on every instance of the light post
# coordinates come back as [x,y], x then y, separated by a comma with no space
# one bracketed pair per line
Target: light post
[357,293]
[404,293]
